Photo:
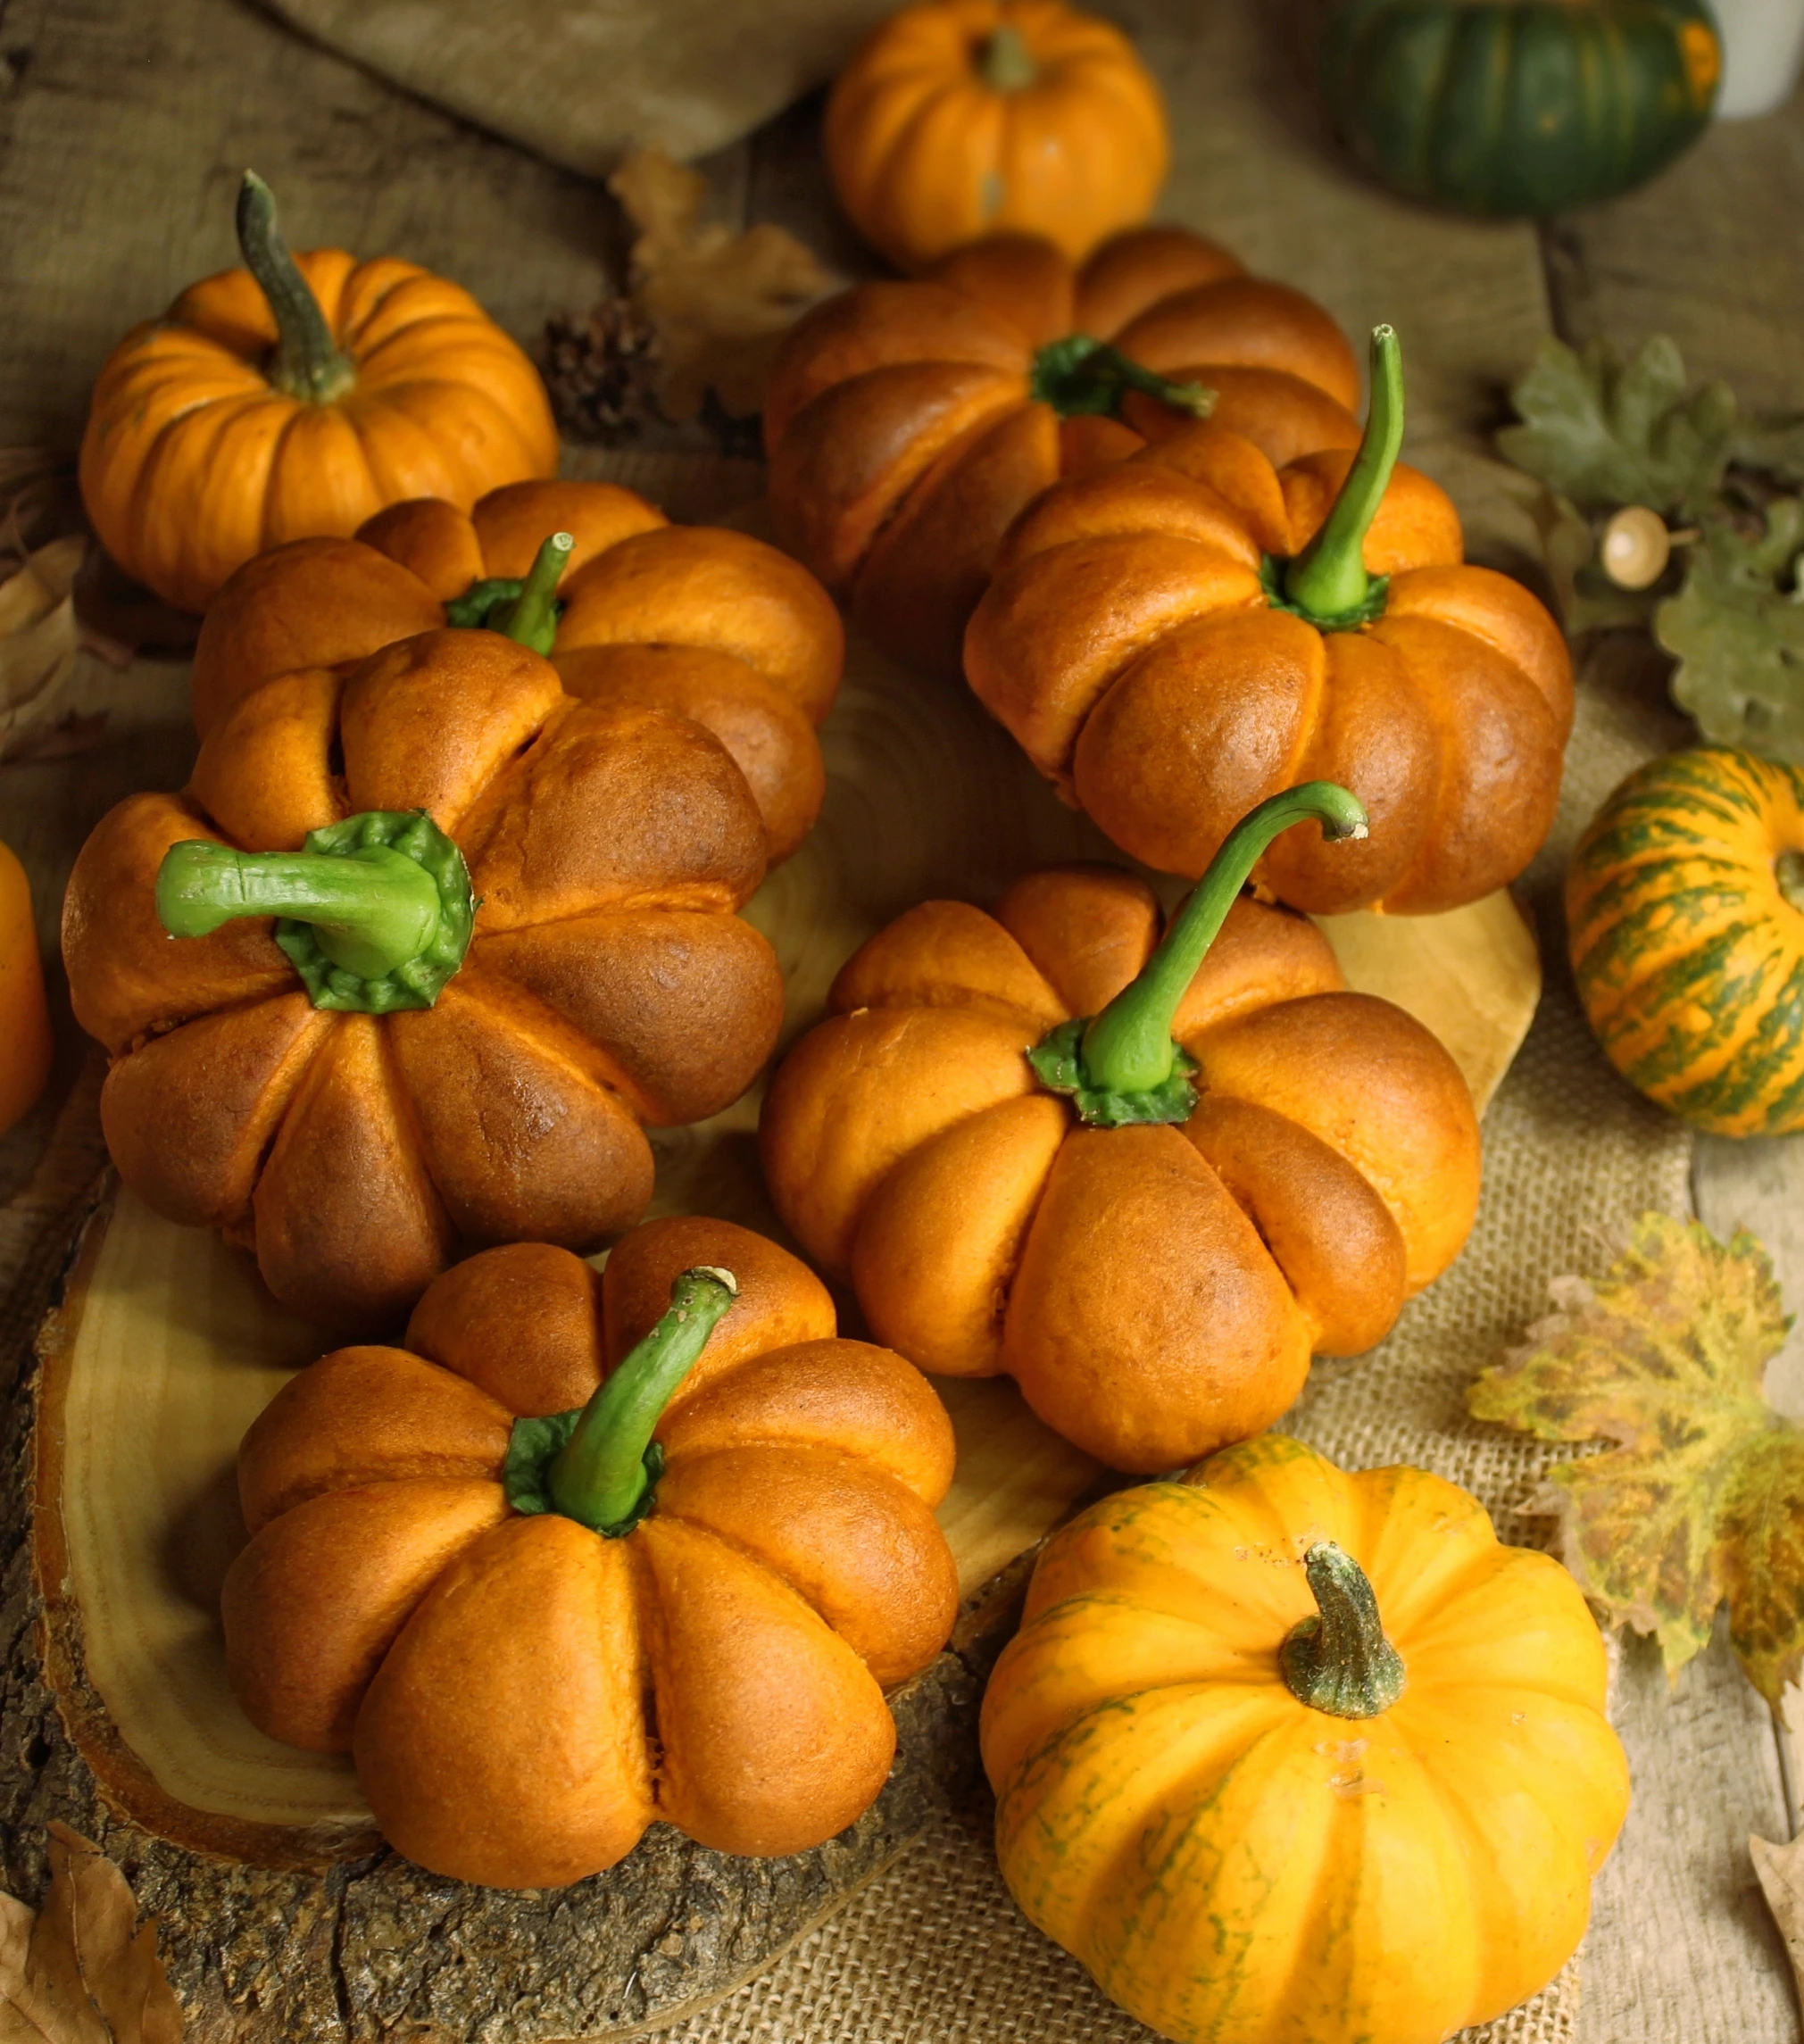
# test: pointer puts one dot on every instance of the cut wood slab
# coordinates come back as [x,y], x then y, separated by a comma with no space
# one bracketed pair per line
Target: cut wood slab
[167,1346]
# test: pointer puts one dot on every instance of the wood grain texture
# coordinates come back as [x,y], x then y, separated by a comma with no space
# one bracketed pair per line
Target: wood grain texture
[1706,253]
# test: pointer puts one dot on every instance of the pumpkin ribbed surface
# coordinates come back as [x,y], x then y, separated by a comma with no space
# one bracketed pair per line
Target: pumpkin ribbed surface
[1235,1866]
[1519,107]
[1685,908]
[964,118]
[194,461]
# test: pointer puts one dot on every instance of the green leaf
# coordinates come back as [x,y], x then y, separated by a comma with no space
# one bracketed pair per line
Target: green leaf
[533,1446]
[1605,432]
[1058,1065]
[1699,1498]
[1737,629]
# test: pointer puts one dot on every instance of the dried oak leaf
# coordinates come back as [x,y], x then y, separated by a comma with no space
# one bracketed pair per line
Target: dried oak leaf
[81,1971]
[1602,431]
[1780,1869]
[721,302]
[1702,1496]
[1737,630]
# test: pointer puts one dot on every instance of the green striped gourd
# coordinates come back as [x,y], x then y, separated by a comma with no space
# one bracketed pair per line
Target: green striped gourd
[1685,918]
[1519,107]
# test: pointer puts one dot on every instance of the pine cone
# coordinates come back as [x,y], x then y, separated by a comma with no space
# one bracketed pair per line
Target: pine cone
[603,372]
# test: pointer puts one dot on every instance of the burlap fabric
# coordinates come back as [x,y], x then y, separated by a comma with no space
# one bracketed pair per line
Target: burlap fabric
[581,81]
[933,1951]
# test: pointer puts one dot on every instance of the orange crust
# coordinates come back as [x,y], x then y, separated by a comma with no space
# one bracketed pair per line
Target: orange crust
[905,440]
[522,1696]
[1156,1291]
[1127,641]
[610,985]
[705,623]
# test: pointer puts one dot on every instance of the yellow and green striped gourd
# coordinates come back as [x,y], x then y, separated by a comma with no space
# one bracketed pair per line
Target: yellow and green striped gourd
[1685,920]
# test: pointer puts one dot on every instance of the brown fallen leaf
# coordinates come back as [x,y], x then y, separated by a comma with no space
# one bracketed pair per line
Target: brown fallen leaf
[720,302]
[80,1970]
[1780,1869]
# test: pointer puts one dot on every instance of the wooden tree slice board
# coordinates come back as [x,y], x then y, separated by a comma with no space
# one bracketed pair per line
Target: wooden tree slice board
[165,1347]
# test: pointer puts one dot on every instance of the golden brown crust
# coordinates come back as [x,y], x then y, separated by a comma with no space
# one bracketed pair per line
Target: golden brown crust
[1146,1318]
[904,438]
[769,736]
[1156,1291]
[1155,685]
[780,1302]
[731,1648]
[522,1322]
[364,1416]
[345,1571]
[314,602]
[523,1695]
[496,1684]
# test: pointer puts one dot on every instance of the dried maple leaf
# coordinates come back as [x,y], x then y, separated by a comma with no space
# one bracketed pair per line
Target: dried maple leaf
[81,1971]
[721,302]
[1737,629]
[1701,1497]
[1604,431]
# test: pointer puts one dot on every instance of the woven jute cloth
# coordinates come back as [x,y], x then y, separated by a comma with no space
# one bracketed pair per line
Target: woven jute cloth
[933,1951]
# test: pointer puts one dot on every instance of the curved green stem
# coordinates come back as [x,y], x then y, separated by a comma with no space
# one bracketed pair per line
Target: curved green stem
[307,363]
[1128,1048]
[1340,1660]
[601,1477]
[1788,868]
[1005,63]
[1081,377]
[532,616]
[1327,583]
[375,912]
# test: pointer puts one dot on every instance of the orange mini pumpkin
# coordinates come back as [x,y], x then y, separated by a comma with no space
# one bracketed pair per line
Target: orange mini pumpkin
[390,1070]
[909,424]
[962,118]
[294,397]
[699,621]
[557,1569]
[1150,1219]
[1175,637]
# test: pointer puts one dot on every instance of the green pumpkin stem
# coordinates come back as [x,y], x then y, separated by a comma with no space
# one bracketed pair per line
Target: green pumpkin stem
[1789,871]
[307,363]
[1081,377]
[1128,1048]
[1327,583]
[600,1477]
[532,616]
[1004,61]
[375,912]
[1340,1660]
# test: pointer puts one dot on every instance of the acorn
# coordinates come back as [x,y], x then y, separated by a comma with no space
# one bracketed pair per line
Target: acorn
[1636,546]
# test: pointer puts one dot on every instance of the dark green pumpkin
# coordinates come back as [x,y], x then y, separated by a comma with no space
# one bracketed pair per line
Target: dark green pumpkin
[1518,107]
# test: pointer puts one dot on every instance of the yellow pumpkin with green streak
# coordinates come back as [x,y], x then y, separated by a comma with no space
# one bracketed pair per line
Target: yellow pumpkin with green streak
[1287,1756]
[1685,911]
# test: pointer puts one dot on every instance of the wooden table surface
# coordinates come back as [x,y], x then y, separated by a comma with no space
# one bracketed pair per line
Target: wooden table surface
[124,126]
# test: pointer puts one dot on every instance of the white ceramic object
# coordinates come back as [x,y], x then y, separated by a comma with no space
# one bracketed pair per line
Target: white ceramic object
[1763,42]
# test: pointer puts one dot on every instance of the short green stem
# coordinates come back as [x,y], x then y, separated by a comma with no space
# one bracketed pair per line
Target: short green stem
[1340,1661]
[1789,870]
[600,1477]
[375,912]
[1128,1048]
[1082,377]
[532,616]
[1004,61]
[1327,583]
[307,362]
